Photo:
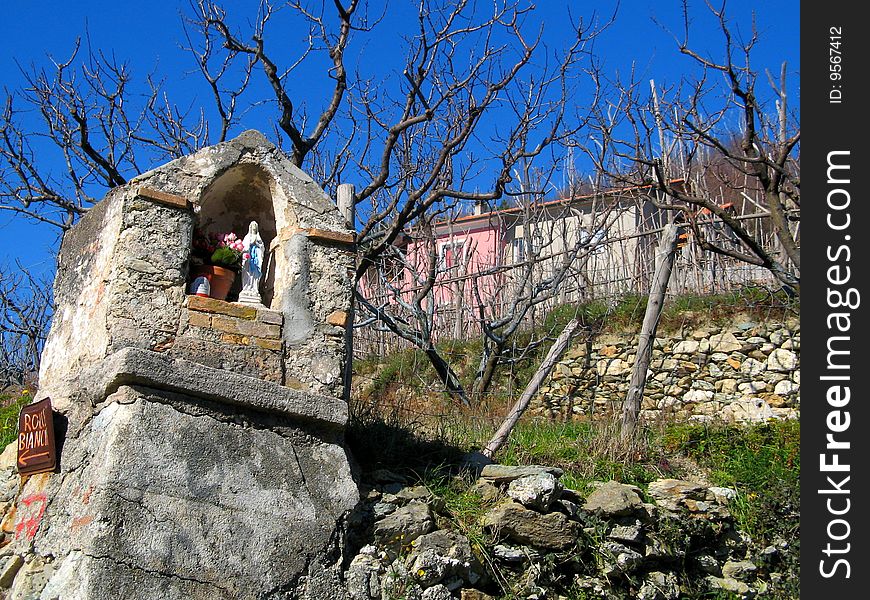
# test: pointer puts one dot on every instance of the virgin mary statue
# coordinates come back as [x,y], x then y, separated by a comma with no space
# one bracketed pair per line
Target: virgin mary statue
[252,265]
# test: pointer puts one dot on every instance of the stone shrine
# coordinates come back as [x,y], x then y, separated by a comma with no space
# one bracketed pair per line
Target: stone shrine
[200,441]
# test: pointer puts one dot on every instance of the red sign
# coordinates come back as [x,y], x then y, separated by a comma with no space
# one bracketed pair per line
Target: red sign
[36,451]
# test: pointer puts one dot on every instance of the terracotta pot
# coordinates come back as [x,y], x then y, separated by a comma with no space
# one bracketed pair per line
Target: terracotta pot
[219,278]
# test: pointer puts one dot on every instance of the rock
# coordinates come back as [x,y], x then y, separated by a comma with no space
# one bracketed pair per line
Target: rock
[752,410]
[625,560]
[742,570]
[724,342]
[442,555]
[9,457]
[751,387]
[730,585]
[11,565]
[792,344]
[659,586]
[509,554]
[437,592]
[362,578]
[752,367]
[626,533]
[614,366]
[722,495]
[774,401]
[613,499]
[505,474]
[697,396]
[382,509]
[417,492]
[535,491]
[551,531]
[472,594]
[671,494]
[786,388]
[700,384]
[727,386]
[486,490]
[782,361]
[403,526]
[686,347]
[708,564]
[779,336]
[32,579]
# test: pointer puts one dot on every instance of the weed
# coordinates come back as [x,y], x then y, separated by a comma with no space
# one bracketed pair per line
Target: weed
[10,407]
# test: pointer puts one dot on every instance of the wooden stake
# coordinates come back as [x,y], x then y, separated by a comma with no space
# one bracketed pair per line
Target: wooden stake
[665,254]
[556,350]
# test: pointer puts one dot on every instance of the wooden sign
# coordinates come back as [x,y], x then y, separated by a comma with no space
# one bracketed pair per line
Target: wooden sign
[36,450]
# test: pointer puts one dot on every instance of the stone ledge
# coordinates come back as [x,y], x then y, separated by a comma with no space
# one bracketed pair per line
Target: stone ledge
[144,367]
[340,238]
[163,197]
[230,309]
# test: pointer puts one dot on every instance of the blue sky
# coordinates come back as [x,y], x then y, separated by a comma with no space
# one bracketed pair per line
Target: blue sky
[149,37]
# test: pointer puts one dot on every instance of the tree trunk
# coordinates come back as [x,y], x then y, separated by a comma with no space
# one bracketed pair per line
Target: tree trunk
[665,254]
[555,353]
[447,375]
[487,372]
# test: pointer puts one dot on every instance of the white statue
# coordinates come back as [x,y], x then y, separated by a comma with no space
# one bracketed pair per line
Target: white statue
[252,265]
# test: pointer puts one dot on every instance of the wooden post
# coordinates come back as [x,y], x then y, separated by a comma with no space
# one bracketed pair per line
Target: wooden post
[345,199]
[556,350]
[665,254]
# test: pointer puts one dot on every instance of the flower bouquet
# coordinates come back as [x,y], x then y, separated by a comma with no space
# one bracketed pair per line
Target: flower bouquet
[217,257]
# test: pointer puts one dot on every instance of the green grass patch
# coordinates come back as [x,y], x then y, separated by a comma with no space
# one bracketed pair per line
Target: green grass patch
[10,407]
[762,463]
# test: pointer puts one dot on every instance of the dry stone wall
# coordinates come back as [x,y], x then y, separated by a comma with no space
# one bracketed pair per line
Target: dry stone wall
[745,371]
[535,538]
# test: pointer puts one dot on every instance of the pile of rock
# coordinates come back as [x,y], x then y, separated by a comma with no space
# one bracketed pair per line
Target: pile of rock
[746,372]
[542,540]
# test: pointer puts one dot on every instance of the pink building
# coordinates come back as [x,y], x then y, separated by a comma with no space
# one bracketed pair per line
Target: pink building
[449,276]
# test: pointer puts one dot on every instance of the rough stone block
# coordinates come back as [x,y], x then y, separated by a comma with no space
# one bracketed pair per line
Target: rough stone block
[198,319]
[272,317]
[260,330]
[338,318]
[233,338]
[226,324]
[267,344]
[231,309]
[197,495]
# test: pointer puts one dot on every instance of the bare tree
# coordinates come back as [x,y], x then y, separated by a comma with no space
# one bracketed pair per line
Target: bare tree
[25,314]
[681,142]
[76,130]
[478,93]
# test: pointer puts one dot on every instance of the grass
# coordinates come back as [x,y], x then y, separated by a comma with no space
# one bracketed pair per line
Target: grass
[762,462]
[10,407]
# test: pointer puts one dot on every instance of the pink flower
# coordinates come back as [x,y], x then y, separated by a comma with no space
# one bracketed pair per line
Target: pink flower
[246,255]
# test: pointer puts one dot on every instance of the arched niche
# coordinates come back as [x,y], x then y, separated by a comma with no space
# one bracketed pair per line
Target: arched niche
[241,194]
